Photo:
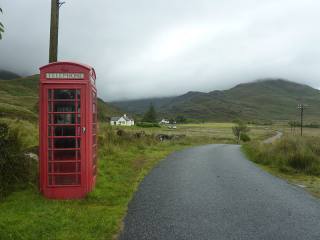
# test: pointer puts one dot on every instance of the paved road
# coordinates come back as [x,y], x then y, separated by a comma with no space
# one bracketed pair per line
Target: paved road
[273,138]
[213,192]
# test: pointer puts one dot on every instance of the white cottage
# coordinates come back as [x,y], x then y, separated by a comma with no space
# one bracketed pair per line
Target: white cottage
[164,121]
[122,121]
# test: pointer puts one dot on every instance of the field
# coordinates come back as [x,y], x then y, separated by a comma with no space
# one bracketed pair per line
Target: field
[123,162]
[221,132]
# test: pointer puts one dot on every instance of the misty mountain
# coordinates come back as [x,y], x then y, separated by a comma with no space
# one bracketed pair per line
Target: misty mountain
[7,75]
[268,99]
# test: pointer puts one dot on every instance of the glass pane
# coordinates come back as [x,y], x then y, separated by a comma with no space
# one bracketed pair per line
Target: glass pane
[66,179]
[67,118]
[49,143]
[64,94]
[50,180]
[64,106]
[50,106]
[78,118]
[50,118]
[64,131]
[61,155]
[50,155]
[78,94]
[50,167]
[65,143]
[62,167]
[79,109]
[49,94]
[49,131]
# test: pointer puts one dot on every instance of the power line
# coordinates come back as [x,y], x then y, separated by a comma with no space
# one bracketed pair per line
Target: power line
[61,3]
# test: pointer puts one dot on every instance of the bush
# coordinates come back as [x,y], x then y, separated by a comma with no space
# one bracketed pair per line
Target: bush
[244,137]
[147,124]
[16,168]
[312,125]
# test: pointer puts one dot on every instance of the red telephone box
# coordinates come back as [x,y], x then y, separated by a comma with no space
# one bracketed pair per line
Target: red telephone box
[68,130]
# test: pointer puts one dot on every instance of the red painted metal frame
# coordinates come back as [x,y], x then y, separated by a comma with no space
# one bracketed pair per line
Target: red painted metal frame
[87,87]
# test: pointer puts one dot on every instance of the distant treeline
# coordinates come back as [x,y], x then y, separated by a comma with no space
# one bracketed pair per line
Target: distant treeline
[307,125]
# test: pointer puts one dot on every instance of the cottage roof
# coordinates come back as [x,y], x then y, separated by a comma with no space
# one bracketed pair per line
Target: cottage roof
[115,118]
[126,118]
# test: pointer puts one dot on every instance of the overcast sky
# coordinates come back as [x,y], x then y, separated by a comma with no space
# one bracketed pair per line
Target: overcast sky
[146,48]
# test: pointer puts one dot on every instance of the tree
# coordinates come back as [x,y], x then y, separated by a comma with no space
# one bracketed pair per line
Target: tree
[239,129]
[181,119]
[1,27]
[293,125]
[172,121]
[150,116]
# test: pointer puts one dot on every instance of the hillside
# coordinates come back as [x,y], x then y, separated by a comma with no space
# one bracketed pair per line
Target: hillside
[19,98]
[270,99]
[7,75]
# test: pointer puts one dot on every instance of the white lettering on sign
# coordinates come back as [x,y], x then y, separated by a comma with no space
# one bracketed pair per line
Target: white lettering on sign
[65,75]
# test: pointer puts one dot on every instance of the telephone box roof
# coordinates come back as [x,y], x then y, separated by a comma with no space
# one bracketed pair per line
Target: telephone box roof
[67,63]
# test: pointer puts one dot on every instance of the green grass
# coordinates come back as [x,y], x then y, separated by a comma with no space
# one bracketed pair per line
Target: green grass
[293,158]
[18,98]
[289,154]
[221,132]
[123,162]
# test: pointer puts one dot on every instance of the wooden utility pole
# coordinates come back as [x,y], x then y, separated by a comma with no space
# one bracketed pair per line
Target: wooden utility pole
[54,30]
[301,107]
[54,26]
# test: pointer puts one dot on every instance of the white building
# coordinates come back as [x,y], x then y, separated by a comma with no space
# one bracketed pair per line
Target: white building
[122,121]
[164,121]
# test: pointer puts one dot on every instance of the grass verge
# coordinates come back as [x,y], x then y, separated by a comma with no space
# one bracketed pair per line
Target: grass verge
[295,159]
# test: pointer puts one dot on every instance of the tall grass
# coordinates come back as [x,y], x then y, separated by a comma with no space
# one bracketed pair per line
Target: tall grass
[289,154]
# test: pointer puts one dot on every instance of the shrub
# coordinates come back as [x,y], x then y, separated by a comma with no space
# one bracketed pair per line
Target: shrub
[244,137]
[147,124]
[16,168]
[312,125]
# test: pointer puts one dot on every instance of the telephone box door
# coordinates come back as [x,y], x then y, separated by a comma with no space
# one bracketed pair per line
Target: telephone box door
[65,113]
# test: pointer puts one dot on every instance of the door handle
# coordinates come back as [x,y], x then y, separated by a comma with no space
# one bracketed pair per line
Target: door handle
[84,130]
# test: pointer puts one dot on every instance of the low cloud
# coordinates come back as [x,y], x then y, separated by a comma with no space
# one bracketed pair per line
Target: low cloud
[149,48]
